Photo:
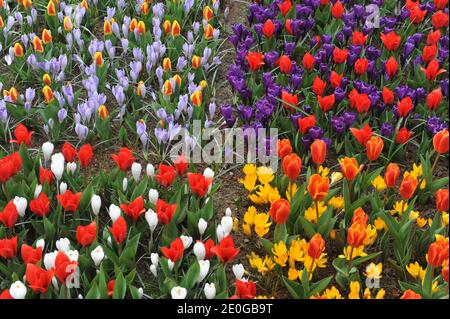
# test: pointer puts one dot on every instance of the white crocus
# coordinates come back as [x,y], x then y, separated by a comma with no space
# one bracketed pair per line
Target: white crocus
[40,243]
[228,212]
[63,244]
[21,205]
[170,264]
[199,250]
[49,260]
[71,167]
[238,271]
[62,188]
[204,269]
[154,270]
[18,290]
[227,224]
[114,212]
[125,184]
[153,196]
[57,165]
[187,241]
[210,290]
[47,150]
[97,255]
[150,170]
[220,233]
[136,169]
[37,190]
[178,292]
[152,219]
[96,203]
[202,225]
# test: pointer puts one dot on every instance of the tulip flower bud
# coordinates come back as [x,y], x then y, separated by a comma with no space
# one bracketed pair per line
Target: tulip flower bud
[63,244]
[125,184]
[18,290]
[21,205]
[40,243]
[96,203]
[154,270]
[187,241]
[47,150]
[154,257]
[153,196]
[37,190]
[136,169]
[71,167]
[62,188]
[170,264]
[97,255]
[238,271]
[114,212]
[220,233]
[204,269]
[178,292]
[210,290]
[152,219]
[150,170]
[202,225]
[227,224]
[228,212]
[199,250]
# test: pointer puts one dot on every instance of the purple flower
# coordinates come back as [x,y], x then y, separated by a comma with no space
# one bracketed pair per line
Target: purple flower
[386,129]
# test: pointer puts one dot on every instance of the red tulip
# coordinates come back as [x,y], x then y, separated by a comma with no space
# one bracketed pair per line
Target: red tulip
[408,187]
[440,141]
[69,152]
[45,175]
[416,15]
[434,99]
[69,201]
[335,79]
[318,187]
[38,279]
[280,210]
[349,168]
[285,7]
[438,253]
[391,40]
[440,4]
[442,200]
[391,67]
[326,103]
[356,234]
[308,61]
[358,38]
[292,165]
[432,70]
[64,267]
[285,64]
[5,295]
[391,175]
[362,135]
[404,106]
[30,255]
[124,159]
[135,208]
[85,155]
[403,136]
[9,215]
[340,55]
[199,184]
[388,96]
[305,123]
[86,234]
[8,247]
[41,205]
[289,100]
[433,37]
[359,215]
[225,250]
[284,148]
[318,86]
[9,166]
[318,151]
[244,290]
[439,19]
[119,230]
[337,9]
[22,135]
[409,294]
[175,251]
[255,60]
[360,102]
[374,147]
[165,211]
[361,66]
[208,245]
[316,246]
[166,175]
[181,164]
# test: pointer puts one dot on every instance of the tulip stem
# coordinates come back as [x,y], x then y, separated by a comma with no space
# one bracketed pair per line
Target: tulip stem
[434,164]
[350,261]
[317,212]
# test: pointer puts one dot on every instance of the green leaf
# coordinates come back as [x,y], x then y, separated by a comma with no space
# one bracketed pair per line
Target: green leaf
[294,288]
[120,287]
[319,286]
[190,278]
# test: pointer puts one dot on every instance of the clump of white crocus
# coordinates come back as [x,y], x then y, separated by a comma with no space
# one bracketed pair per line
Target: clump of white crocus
[57,165]
[199,250]
[96,203]
[136,169]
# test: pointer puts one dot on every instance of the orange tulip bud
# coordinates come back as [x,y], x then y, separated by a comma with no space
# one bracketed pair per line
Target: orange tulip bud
[318,187]
[37,44]
[18,50]
[133,24]
[356,234]
[102,112]
[207,13]
[350,168]
[167,26]
[196,98]
[442,200]
[360,215]
[47,79]
[177,79]
[196,62]
[46,36]
[438,252]
[208,32]
[318,151]
[440,142]
[140,90]
[145,9]
[284,148]
[51,9]
[409,294]
[408,187]
[374,147]
[279,211]
[167,65]
[391,175]
[107,28]
[12,94]
[176,29]
[98,58]
[67,23]
[48,94]
[316,246]
[168,90]
[84,5]
[141,27]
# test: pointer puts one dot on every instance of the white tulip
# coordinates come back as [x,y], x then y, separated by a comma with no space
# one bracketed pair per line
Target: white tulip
[220,233]
[49,260]
[187,241]
[96,203]
[114,212]
[152,219]
[136,169]
[71,167]
[125,184]
[150,170]
[170,264]
[37,190]
[154,258]
[47,150]
[227,224]
[178,293]
[63,244]
[204,269]
[228,212]
[238,271]
[202,225]
[199,250]
[97,255]
[40,243]
[62,188]
[154,270]
[21,205]
[18,290]
[210,291]
[153,196]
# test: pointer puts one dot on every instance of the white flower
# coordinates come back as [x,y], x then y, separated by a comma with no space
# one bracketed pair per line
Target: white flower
[58,157]
[63,244]
[202,225]
[62,188]
[80,296]
[150,170]
[72,254]
[57,165]
[227,224]
[152,219]
[125,184]
[220,233]
[37,190]
[199,250]
[18,290]
[153,196]
[96,203]
[40,243]
[21,205]
[228,212]
[71,167]
[136,169]
[187,241]
[97,255]
[47,150]
[154,258]
[208,173]
[170,264]
[114,212]
[178,293]
[210,290]
[204,269]
[141,292]
[154,270]
[238,271]
[49,260]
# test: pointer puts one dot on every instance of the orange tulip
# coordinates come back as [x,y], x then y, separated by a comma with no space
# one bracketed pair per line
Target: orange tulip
[133,25]
[409,294]
[46,36]
[196,98]
[167,65]
[47,79]
[176,29]
[316,246]
[196,62]
[356,234]
[67,23]
[37,44]
[18,50]
[279,211]
[168,90]
[284,148]
[207,13]
[408,187]
[51,9]
[208,32]
[292,165]
[107,28]
[391,175]
[438,253]
[360,215]
[145,8]
[98,58]
[48,94]
[440,142]
[318,187]
[350,168]
[102,112]
[177,79]
[167,26]
[318,151]
[141,27]
[374,147]
[442,200]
